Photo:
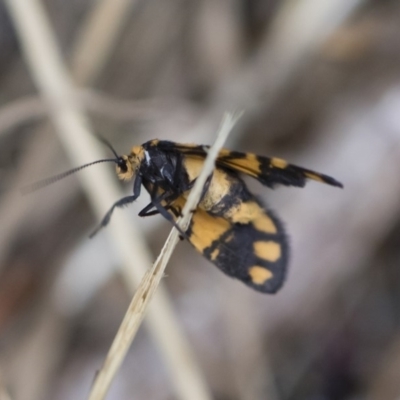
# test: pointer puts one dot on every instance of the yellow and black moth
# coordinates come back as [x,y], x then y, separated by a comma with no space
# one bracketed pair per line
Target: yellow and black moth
[230,227]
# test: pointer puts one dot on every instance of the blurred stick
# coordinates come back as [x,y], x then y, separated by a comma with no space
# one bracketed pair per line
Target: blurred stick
[120,109]
[89,47]
[45,63]
[4,395]
[246,347]
[38,353]
[21,111]
[151,280]
[14,211]
[297,32]
[28,108]
[384,383]
[97,38]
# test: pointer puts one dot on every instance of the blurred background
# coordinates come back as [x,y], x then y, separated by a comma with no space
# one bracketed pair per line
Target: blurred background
[320,85]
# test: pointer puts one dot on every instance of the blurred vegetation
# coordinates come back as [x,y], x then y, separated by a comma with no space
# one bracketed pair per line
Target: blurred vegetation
[174,67]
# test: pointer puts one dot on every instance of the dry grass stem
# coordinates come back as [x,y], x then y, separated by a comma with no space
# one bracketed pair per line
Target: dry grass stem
[151,280]
[4,395]
[94,62]
[98,37]
[119,109]
[29,108]
[51,77]
[20,111]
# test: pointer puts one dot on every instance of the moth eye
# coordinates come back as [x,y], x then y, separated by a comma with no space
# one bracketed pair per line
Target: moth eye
[122,165]
[124,169]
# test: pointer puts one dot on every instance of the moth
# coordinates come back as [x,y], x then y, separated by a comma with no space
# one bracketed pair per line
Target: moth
[230,227]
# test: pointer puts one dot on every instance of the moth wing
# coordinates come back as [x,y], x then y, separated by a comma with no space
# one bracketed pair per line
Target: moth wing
[271,170]
[267,170]
[242,251]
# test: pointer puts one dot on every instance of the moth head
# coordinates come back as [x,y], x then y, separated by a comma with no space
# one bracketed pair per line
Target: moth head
[128,165]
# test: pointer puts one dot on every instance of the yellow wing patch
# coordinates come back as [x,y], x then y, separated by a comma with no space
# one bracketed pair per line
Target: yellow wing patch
[269,250]
[207,230]
[257,257]
[279,163]
[259,275]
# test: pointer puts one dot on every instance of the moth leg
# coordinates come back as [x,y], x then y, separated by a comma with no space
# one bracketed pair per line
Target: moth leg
[178,213]
[147,211]
[120,203]
[164,212]
[156,203]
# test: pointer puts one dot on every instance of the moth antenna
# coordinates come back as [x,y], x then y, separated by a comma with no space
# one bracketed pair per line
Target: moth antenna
[109,145]
[48,181]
